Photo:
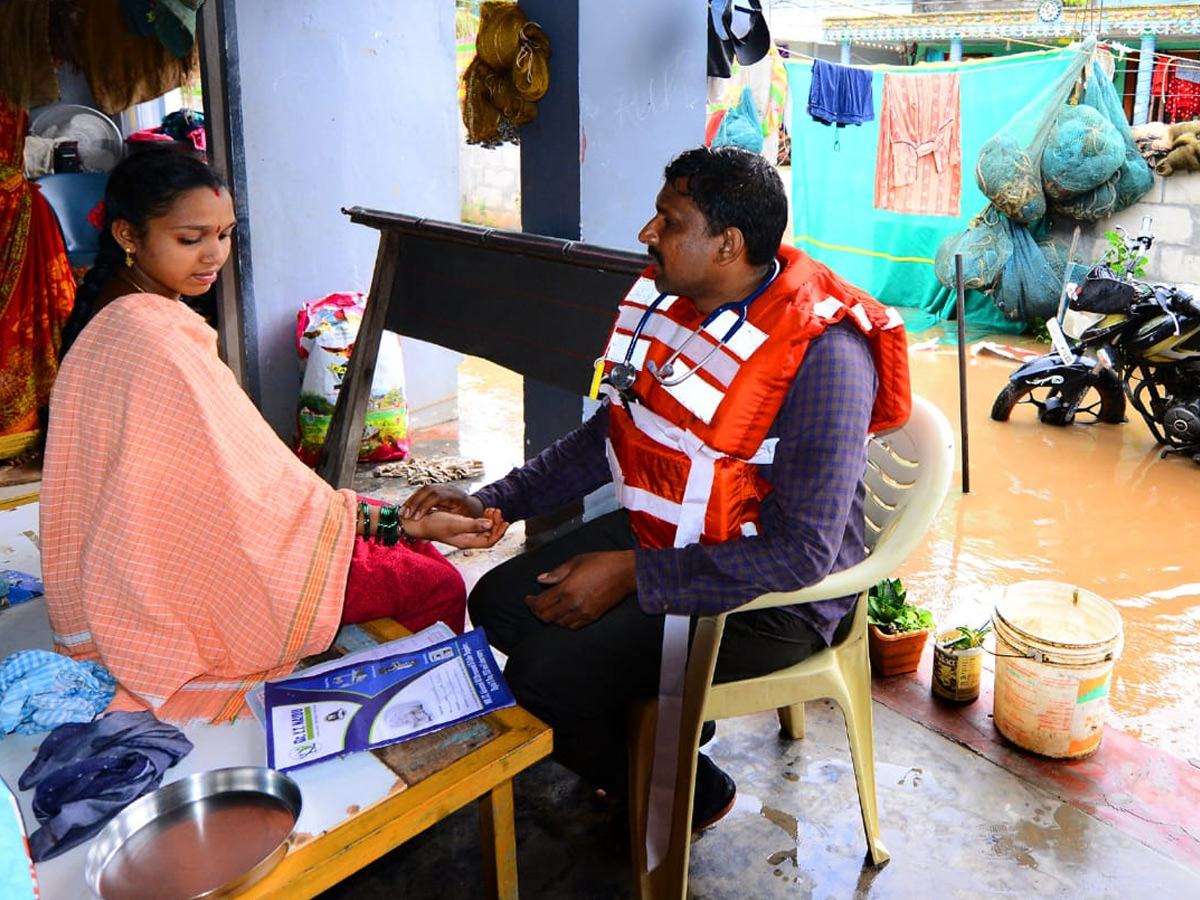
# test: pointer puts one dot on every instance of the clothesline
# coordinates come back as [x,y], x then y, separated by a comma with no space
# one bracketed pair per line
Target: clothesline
[795,54]
[967,64]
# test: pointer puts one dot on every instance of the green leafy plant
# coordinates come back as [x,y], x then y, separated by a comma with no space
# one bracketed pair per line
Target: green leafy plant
[968,638]
[1038,330]
[1120,255]
[890,612]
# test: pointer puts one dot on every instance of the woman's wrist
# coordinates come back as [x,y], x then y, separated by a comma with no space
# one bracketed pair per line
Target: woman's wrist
[383,523]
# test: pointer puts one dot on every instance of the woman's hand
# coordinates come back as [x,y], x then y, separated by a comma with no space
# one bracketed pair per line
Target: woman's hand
[439,497]
[460,531]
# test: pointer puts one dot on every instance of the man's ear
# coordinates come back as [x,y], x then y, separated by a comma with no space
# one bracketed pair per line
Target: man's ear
[733,245]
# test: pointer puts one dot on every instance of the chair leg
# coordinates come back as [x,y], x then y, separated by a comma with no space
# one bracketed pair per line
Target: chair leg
[669,880]
[791,720]
[860,731]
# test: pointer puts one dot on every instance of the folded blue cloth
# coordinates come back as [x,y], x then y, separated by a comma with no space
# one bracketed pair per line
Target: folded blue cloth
[86,773]
[40,689]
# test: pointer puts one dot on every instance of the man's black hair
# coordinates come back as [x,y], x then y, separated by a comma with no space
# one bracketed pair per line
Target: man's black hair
[734,188]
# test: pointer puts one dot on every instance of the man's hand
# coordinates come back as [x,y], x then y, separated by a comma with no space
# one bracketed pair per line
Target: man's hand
[463,532]
[584,588]
[441,497]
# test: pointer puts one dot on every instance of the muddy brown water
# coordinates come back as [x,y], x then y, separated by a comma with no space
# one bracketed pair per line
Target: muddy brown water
[1092,506]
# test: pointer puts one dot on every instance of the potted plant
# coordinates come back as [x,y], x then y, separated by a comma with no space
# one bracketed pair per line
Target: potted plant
[958,663]
[896,630]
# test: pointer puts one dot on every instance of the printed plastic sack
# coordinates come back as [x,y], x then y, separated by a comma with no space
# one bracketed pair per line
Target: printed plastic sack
[985,247]
[1028,287]
[1009,168]
[326,330]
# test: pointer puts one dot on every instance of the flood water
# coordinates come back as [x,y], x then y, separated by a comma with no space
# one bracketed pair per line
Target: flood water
[1091,506]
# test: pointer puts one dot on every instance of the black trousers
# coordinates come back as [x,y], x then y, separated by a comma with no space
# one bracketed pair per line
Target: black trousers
[582,682]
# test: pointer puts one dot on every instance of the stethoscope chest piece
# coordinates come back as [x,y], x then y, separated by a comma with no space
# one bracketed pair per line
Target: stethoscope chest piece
[621,376]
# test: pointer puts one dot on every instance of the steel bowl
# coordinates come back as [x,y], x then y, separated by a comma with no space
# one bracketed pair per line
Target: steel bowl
[207,836]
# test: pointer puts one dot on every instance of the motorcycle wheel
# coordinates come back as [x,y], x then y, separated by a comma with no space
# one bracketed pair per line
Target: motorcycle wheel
[1102,401]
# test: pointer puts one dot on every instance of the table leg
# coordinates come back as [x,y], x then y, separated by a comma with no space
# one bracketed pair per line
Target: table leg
[499,842]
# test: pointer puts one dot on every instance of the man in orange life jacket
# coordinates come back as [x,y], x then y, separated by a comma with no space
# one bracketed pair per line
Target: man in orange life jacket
[741,381]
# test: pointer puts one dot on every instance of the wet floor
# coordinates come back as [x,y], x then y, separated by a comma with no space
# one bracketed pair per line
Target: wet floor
[1091,506]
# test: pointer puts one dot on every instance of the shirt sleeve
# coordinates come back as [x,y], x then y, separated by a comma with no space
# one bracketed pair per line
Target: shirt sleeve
[811,522]
[570,468]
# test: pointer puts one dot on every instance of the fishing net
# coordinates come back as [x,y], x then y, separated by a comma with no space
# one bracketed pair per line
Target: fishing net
[1029,286]
[985,247]
[1090,206]
[1009,167]
[1136,177]
[1083,151]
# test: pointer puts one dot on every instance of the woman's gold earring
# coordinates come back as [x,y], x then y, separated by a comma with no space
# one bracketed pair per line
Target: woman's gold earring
[129,257]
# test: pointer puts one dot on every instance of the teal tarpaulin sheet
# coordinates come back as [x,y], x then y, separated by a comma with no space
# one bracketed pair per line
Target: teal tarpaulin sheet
[891,254]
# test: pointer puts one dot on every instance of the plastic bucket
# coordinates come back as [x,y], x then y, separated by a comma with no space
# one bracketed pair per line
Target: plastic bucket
[1055,649]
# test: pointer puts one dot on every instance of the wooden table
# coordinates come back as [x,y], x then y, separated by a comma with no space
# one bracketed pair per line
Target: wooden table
[356,808]
[485,775]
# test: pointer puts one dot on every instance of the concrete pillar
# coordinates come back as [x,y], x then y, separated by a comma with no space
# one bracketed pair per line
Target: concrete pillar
[1145,73]
[956,50]
[628,90]
[845,59]
[374,124]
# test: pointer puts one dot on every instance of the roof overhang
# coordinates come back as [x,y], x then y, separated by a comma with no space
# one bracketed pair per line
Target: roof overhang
[1116,22]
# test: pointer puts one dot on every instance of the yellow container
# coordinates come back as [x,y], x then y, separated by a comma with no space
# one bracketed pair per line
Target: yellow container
[1055,649]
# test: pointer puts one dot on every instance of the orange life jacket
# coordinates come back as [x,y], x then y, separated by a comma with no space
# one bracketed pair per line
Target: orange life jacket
[685,458]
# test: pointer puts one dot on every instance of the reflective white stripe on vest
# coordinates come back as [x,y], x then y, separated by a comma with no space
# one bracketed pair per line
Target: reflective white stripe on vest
[893,319]
[827,308]
[642,293]
[721,366]
[619,346]
[860,316]
[696,395]
[746,340]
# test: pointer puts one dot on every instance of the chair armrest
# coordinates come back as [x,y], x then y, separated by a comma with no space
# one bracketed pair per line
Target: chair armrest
[853,580]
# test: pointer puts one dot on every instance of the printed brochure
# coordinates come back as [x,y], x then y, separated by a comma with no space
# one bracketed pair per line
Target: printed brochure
[367,700]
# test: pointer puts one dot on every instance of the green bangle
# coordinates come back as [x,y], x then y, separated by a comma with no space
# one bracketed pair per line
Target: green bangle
[364,509]
[389,525]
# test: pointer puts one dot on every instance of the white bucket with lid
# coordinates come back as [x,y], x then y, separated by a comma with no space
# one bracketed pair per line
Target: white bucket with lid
[1055,649]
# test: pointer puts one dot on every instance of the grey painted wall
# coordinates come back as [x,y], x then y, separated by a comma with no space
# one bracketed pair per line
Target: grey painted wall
[343,104]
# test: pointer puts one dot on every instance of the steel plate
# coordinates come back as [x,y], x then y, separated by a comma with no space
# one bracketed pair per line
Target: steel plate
[205,836]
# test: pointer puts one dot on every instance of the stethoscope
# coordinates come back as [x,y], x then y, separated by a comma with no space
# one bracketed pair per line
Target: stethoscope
[622,375]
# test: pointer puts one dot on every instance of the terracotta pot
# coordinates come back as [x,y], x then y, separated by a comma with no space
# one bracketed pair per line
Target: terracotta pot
[895,654]
[956,673]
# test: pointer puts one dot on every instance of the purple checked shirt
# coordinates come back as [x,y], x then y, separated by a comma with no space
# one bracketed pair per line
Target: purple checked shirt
[811,523]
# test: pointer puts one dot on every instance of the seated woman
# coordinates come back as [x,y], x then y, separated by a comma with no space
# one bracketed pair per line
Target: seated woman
[184,545]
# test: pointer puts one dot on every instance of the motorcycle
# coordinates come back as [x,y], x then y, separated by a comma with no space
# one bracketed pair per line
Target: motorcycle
[1119,339]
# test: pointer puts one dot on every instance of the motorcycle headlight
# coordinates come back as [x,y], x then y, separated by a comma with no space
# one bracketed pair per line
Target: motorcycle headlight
[1076,322]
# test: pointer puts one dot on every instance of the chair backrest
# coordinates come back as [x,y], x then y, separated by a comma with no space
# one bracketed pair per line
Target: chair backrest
[907,478]
[72,195]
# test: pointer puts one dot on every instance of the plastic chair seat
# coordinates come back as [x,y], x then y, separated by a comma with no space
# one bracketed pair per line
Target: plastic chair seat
[907,477]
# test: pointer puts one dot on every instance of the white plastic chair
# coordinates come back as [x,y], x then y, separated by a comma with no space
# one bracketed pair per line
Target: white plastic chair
[907,477]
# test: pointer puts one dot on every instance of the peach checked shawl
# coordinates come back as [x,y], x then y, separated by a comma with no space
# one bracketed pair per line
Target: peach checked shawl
[184,546]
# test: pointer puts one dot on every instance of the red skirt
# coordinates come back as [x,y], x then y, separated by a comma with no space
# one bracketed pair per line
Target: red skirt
[412,583]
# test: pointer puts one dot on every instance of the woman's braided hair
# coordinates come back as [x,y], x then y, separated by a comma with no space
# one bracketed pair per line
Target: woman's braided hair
[143,186]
